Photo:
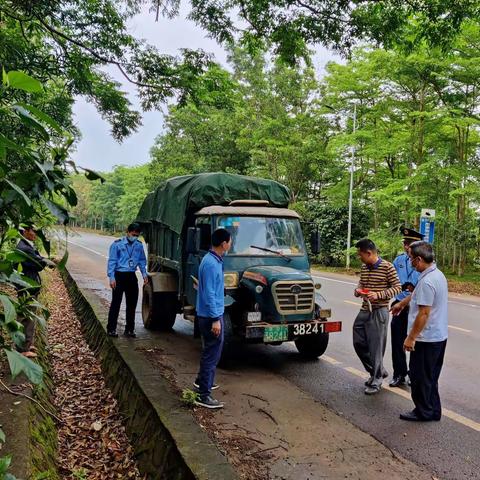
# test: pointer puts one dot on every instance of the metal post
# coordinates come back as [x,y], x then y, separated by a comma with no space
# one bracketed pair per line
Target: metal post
[350,193]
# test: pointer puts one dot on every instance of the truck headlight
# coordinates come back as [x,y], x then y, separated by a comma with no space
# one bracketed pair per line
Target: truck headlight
[230,279]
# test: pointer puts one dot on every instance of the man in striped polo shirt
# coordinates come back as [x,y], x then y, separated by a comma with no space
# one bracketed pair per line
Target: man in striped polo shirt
[378,284]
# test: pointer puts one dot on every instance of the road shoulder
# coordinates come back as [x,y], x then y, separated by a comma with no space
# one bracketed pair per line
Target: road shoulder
[269,428]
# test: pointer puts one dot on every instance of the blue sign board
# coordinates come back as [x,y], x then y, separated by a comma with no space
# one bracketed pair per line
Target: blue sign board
[427,228]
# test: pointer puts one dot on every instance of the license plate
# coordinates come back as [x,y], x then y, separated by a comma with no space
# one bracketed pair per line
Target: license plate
[254,316]
[306,329]
[278,333]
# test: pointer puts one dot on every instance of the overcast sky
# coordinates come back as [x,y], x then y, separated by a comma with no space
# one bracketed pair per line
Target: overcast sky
[97,149]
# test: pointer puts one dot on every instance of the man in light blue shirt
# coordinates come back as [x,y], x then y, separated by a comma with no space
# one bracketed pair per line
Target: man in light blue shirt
[408,277]
[125,256]
[427,333]
[210,310]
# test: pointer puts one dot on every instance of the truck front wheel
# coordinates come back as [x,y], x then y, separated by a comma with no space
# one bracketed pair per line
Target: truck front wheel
[159,309]
[312,346]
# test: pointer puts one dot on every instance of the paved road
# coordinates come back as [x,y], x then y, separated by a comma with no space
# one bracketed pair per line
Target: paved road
[450,449]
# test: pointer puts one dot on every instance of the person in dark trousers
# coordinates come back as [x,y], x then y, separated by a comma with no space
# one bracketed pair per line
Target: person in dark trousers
[210,309]
[378,284]
[125,256]
[408,277]
[427,333]
[31,268]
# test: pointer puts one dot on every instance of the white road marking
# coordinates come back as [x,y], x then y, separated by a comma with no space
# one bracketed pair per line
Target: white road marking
[467,422]
[352,303]
[464,304]
[460,329]
[472,305]
[337,281]
[331,360]
[89,249]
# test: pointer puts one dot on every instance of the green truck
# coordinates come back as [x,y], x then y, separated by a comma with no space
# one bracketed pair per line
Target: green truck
[270,296]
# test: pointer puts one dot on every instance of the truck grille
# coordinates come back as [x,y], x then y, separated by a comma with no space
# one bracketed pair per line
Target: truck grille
[294,297]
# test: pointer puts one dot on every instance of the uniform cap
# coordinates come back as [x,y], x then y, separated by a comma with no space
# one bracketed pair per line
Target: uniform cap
[410,234]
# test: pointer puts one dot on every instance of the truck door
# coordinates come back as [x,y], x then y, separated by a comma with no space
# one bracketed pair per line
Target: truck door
[193,261]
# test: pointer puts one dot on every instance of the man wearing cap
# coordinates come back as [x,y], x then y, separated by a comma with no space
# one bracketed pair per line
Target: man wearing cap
[125,256]
[408,278]
[31,268]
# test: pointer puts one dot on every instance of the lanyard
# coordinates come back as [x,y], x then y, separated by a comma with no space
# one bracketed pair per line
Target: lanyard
[406,268]
[420,279]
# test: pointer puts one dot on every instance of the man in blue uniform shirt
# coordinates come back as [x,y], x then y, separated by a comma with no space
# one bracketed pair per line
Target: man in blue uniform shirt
[408,278]
[210,310]
[125,256]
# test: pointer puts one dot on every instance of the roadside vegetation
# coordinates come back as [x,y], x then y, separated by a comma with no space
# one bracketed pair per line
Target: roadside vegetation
[415,145]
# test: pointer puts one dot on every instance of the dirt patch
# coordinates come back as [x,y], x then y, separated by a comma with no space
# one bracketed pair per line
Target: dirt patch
[464,288]
[244,451]
[92,442]
[270,429]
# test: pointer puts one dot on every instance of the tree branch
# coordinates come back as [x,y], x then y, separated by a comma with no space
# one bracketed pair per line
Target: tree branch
[11,392]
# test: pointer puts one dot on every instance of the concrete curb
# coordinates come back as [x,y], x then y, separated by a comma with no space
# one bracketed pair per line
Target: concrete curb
[168,443]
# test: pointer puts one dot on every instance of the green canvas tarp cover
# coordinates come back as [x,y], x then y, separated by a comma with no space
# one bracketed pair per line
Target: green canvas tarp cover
[173,200]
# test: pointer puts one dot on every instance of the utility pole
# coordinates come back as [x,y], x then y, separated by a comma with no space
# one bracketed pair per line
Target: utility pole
[350,192]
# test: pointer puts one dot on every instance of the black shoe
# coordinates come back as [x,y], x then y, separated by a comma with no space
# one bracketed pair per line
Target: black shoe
[413,417]
[208,402]
[130,334]
[397,381]
[369,381]
[113,334]
[197,386]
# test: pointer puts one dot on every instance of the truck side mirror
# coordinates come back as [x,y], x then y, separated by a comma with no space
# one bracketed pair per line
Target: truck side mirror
[193,240]
[315,242]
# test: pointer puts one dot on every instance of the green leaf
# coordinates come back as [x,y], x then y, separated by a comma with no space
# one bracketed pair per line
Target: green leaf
[60,212]
[45,241]
[21,81]
[17,335]
[2,436]
[8,309]
[22,280]
[6,142]
[43,117]
[4,77]
[20,191]
[92,175]
[5,464]
[27,119]
[63,261]
[17,256]
[20,364]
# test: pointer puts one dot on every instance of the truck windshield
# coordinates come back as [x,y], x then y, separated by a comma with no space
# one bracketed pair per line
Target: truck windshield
[282,235]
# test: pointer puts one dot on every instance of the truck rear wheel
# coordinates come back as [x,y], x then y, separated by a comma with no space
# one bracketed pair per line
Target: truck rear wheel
[159,309]
[312,346]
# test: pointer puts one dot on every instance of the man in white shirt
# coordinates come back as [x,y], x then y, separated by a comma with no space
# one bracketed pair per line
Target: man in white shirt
[427,333]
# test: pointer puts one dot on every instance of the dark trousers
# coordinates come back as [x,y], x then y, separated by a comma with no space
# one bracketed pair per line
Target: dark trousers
[28,325]
[126,283]
[425,366]
[211,353]
[369,341]
[399,328]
